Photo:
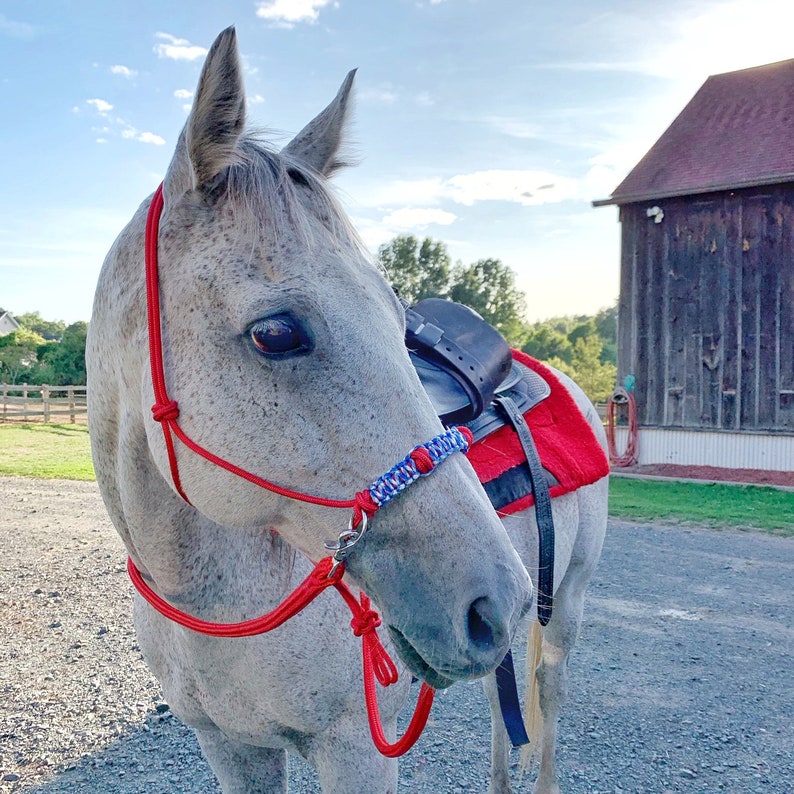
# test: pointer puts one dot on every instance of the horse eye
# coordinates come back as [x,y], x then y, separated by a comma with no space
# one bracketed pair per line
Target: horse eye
[279,335]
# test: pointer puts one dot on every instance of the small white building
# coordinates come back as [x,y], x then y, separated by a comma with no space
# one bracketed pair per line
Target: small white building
[7,324]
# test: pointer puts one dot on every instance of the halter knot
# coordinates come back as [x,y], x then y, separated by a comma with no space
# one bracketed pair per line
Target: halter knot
[423,460]
[365,623]
[166,412]
[363,504]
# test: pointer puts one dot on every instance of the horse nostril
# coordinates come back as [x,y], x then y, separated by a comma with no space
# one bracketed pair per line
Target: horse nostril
[480,631]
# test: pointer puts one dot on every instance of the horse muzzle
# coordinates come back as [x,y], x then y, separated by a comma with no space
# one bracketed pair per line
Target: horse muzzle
[487,647]
[466,644]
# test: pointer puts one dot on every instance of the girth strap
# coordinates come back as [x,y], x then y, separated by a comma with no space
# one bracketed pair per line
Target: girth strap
[545,521]
[509,702]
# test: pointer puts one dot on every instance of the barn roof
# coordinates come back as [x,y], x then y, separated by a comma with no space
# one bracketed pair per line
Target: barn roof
[737,131]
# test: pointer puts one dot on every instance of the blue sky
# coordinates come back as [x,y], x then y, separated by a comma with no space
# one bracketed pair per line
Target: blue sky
[488,124]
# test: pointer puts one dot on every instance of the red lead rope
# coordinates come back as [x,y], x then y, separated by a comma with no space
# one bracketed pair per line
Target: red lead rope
[376,661]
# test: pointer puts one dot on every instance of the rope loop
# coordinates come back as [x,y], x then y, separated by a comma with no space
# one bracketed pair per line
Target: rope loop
[166,412]
[382,664]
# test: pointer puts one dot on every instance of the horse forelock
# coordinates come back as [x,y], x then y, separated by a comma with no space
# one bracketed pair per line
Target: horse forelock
[264,188]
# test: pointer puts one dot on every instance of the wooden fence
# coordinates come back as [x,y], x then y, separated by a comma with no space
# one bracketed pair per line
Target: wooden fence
[23,402]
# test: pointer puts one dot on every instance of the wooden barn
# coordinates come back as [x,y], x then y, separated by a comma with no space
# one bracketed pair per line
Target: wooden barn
[706,309]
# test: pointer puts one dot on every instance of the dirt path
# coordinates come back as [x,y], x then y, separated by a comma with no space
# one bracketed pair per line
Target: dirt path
[683,679]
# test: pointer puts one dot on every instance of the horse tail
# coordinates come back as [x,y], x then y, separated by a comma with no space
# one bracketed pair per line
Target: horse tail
[533,717]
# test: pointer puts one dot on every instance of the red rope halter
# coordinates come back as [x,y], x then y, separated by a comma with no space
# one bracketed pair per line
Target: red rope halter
[328,572]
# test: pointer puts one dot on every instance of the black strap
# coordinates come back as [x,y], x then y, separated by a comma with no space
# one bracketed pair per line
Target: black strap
[545,521]
[509,702]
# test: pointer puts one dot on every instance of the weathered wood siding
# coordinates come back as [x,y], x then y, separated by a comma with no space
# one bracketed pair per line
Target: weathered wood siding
[706,313]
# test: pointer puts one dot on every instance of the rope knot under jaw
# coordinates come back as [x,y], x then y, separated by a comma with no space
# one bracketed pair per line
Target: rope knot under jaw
[166,412]
[365,623]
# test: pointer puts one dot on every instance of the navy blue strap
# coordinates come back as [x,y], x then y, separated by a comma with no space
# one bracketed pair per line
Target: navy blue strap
[509,702]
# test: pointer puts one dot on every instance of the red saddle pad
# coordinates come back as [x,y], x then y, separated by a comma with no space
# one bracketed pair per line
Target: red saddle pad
[566,444]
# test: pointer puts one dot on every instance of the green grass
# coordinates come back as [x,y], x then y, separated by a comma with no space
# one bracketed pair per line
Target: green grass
[63,451]
[706,504]
[46,451]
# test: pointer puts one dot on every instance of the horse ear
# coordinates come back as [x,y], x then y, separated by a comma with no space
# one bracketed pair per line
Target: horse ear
[318,143]
[208,143]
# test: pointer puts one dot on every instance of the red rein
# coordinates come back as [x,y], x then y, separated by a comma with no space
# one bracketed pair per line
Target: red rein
[376,661]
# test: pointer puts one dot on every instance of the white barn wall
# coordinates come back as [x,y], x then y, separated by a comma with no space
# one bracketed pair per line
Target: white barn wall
[773,452]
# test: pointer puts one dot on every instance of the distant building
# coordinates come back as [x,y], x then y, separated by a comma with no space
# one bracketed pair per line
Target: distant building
[706,310]
[7,324]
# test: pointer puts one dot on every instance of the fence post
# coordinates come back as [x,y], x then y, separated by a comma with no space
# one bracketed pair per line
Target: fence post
[70,397]
[24,402]
[45,399]
[5,403]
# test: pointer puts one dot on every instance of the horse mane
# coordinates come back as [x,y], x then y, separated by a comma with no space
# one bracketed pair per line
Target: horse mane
[267,184]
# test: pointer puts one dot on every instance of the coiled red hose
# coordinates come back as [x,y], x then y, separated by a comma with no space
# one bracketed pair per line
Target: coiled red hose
[630,455]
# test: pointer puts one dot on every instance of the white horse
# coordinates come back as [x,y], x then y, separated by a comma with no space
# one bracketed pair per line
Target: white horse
[283,347]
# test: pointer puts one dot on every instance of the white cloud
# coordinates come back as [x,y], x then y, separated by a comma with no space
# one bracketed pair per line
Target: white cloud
[183,93]
[410,218]
[529,188]
[150,137]
[124,71]
[289,12]
[177,49]
[102,107]
[130,133]
[725,36]
[256,99]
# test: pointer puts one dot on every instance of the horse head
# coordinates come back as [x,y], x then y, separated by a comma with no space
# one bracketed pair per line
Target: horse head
[283,346]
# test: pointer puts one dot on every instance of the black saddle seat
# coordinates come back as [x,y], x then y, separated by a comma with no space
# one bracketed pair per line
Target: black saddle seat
[461,359]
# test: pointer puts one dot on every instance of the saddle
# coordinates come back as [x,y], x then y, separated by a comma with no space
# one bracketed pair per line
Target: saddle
[464,363]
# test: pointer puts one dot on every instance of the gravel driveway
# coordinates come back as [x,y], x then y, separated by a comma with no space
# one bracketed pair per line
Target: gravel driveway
[683,679]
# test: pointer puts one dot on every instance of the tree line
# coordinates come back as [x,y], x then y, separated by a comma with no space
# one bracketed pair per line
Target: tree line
[584,346]
[43,351]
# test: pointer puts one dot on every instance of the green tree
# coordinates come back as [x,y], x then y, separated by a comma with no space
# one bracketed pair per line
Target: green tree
[544,341]
[489,287]
[19,356]
[416,270]
[49,329]
[606,323]
[63,363]
[596,378]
